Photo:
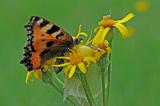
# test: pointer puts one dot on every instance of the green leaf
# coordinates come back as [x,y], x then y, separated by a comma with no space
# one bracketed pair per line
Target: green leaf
[47,77]
[73,86]
[94,79]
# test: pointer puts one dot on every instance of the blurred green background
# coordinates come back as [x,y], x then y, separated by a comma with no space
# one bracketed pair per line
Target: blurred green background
[136,61]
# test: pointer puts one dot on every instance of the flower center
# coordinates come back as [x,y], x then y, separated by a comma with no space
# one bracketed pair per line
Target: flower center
[107,22]
[76,57]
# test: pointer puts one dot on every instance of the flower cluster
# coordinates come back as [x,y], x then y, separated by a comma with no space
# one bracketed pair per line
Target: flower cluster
[82,55]
[88,50]
[89,54]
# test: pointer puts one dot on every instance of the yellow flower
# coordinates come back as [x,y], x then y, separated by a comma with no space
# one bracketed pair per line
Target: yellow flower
[142,6]
[80,56]
[37,74]
[106,24]
[101,50]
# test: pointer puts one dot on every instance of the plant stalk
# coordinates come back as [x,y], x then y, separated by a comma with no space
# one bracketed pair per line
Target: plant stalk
[86,88]
[61,92]
[109,69]
[103,87]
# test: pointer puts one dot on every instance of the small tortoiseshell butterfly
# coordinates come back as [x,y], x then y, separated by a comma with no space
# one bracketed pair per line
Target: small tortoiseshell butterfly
[44,41]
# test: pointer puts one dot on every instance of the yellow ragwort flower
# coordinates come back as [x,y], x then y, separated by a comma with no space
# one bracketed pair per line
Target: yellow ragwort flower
[37,74]
[106,24]
[80,56]
[101,50]
[142,6]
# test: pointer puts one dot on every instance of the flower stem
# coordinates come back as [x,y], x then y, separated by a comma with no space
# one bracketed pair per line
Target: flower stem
[102,65]
[103,87]
[109,69]
[47,78]
[86,88]
[57,79]
[61,92]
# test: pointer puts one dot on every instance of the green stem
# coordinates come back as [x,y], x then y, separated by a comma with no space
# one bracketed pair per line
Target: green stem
[109,73]
[86,88]
[61,92]
[103,87]
[57,79]
[57,88]
[47,78]
[103,78]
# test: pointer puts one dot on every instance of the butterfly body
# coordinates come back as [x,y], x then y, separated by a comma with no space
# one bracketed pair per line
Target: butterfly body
[44,41]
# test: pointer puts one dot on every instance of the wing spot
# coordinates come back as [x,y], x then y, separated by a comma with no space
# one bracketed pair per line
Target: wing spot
[59,35]
[53,29]
[44,52]
[49,44]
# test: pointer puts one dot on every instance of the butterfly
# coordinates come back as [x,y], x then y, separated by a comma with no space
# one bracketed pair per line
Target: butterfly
[45,40]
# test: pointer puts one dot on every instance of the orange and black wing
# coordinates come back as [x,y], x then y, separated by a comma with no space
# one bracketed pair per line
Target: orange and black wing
[44,41]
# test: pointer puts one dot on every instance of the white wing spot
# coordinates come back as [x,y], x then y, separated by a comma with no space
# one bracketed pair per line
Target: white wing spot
[40,21]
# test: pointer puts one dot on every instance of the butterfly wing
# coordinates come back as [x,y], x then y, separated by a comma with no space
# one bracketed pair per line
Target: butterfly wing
[45,40]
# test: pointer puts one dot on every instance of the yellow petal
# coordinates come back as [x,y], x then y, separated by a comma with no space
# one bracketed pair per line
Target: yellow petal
[123,30]
[82,67]
[51,61]
[95,29]
[71,72]
[61,65]
[106,42]
[109,50]
[29,76]
[80,33]
[88,62]
[126,18]
[98,36]
[38,74]
[83,33]
[92,59]
[89,40]
[67,68]
[63,58]
[100,22]
[104,35]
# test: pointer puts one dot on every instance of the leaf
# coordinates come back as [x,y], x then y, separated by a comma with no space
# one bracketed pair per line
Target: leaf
[94,79]
[47,77]
[73,86]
